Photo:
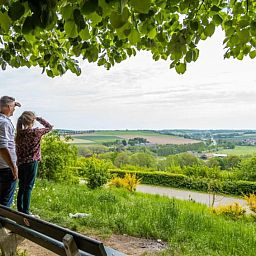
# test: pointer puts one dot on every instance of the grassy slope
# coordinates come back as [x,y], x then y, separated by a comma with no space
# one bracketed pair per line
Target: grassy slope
[189,227]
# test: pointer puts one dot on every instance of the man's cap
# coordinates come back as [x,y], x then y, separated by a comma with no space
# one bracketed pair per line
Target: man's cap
[5,100]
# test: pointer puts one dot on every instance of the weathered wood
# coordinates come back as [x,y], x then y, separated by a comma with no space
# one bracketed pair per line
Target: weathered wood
[53,231]
[55,238]
[70,246]
[9,242]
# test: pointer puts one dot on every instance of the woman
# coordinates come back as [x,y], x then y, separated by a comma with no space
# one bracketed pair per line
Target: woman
[28,154]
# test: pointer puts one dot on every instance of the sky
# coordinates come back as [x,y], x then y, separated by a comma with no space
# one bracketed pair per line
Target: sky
[140,93]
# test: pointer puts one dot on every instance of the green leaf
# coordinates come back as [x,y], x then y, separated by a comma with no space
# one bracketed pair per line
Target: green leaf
[6,56]
[79,19]
[195,54]
[118,20]
[189,56]
[230,31]
[49,73]
[16,10]
[67,12]
[129,52]
[27,26]
[243,23]
[194,25]
[30,38]
[95,18]
[5,21]
[180,68]
[217,19]
[244,35]
[209,30]
[3,65]
[101,62]
[141,6]
[252,54]
[70,28]
[85,34]
[89,6]
[215,8]
[124,31]
[152,33]
[134,36]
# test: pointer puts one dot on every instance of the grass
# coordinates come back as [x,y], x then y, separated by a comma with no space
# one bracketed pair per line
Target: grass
[190,228]
[239,150]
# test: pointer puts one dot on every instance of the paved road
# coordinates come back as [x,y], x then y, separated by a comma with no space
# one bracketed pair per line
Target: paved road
[199,197]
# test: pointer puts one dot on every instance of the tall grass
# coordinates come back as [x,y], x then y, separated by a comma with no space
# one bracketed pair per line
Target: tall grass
[190,228]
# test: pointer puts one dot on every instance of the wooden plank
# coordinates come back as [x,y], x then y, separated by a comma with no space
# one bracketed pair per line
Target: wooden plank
[70,246]
[53,231]
[40,239]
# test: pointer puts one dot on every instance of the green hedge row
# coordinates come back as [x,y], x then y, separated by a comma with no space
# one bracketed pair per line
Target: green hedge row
[183,181]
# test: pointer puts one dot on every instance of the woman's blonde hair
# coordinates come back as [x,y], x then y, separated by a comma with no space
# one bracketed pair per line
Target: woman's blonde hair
[25,121]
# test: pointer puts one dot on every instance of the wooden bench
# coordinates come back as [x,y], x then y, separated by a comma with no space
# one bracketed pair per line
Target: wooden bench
[15,226]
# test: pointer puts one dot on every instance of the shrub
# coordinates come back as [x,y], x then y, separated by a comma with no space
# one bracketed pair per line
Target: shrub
[96,172]
[182,181]
[118,182]
[239,187]
[57,159]
[235,210]
[251,200]
[248,169]
[129,182]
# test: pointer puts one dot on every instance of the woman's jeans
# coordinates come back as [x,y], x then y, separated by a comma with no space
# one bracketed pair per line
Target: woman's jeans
[27,175]
[7,187]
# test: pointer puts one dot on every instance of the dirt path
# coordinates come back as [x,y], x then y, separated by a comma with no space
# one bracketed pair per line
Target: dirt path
[132,246]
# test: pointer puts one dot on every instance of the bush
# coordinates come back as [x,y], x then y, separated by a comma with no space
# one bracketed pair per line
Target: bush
[248,169]
[129,182]
[251,200]
[167,179]
[57,159]
[235,210]
[183,181]
[96,172]
[239,187]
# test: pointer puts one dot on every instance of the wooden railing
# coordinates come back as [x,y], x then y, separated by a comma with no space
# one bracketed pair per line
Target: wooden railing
[15,226]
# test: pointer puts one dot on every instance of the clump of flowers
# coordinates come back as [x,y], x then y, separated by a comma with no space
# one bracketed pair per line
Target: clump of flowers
[251,201]
[130,182]
[235,210]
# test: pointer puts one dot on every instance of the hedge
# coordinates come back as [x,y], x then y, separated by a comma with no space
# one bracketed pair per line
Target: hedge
[182,181]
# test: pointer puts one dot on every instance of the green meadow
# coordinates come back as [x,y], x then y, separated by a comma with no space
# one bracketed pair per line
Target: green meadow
[239,150]
[188,228]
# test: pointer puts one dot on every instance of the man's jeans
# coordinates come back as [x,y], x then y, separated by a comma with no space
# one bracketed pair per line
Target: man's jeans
[27,175]
[7,187]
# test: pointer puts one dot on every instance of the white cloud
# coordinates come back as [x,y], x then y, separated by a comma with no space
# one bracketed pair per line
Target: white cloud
[141,93]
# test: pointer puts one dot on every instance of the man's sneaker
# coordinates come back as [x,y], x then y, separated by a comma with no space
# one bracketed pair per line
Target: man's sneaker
[34,216]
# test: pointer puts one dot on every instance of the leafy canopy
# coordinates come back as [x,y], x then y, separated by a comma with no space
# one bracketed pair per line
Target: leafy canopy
[53,33]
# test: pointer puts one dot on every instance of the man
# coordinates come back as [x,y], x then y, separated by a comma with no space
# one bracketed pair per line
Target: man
[8,167]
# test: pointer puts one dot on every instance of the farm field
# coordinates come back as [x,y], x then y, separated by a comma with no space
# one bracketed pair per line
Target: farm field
[239,151]
[100,137]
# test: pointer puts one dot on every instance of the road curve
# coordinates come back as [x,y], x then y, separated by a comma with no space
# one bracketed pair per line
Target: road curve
[200,197]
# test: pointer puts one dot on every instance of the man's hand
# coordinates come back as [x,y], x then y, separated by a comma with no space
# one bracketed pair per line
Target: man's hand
[15,172]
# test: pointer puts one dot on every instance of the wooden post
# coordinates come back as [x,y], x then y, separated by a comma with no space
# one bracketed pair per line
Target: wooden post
[8,242]
[70,246]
